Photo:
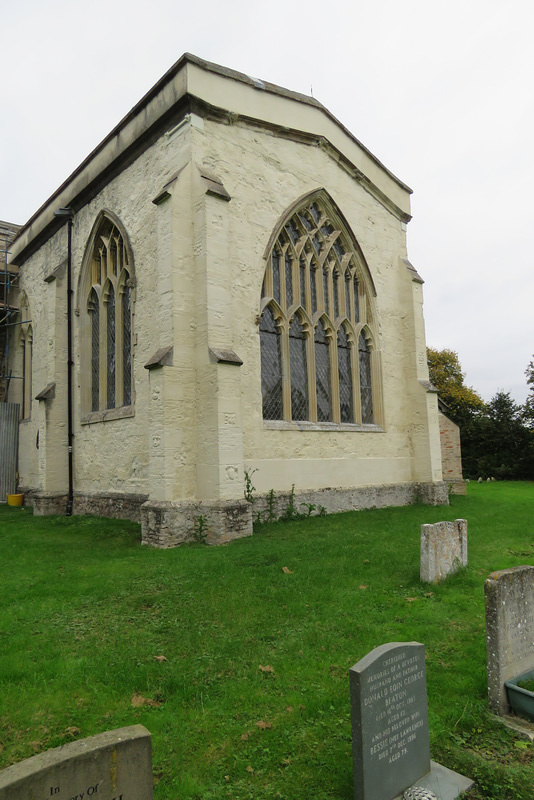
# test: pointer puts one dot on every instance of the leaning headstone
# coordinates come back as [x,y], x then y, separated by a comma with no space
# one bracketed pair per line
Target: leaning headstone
[443,549]
[116,765]
[509,596]
[390,741]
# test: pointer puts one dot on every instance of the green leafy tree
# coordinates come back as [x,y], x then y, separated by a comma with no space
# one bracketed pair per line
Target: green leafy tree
[503,447]
[528,408]
[447,376]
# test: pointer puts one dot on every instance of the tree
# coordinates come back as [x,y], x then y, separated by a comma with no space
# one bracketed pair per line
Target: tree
[528,408]
[447,376]
[504,447]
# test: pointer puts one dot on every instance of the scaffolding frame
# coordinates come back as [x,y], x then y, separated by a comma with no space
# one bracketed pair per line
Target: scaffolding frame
[8,313]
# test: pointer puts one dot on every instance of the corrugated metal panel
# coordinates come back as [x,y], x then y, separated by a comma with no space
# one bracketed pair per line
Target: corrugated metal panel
[9,440]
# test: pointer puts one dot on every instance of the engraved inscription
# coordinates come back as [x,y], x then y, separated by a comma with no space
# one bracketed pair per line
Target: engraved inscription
[390,692]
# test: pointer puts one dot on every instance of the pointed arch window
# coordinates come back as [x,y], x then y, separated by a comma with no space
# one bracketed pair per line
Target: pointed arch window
[317,321]
[107,327]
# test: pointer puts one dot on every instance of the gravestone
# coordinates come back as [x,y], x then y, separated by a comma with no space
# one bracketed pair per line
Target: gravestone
[115,765]
[390,741]
[509,596]
[389,715]
[443,549]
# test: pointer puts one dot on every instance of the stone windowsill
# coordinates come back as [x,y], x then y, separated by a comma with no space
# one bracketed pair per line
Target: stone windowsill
[108,414]
[305,425]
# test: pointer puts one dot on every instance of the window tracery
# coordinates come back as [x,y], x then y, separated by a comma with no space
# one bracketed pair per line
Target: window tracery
[317,322]
[108,325]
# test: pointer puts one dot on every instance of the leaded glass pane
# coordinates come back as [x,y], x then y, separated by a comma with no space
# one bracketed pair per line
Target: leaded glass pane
[276,276]
[356,300]
[338,247]
[322,374]
[345,377]
[289,280]
[95,351]
[110,364]
[336,294]
[313,288]
[298,370]
[271,367]
[305,221]
[316,214]
[302,270]
[325,291]
[126,346]
[365,381]
[292,230]
[347,294]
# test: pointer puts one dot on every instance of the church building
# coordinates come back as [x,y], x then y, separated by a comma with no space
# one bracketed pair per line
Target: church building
[218,318]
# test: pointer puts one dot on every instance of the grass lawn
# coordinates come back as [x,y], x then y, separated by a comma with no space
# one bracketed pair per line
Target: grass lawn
[236,658]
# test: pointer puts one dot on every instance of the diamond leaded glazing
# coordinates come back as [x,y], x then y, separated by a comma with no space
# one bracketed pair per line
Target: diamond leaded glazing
[314,287]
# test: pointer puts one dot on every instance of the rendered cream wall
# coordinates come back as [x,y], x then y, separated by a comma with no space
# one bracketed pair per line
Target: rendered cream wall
[199,269]
[264,174]
[111,456]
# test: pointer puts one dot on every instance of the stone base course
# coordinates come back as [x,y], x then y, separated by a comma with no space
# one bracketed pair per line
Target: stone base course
[171,523]
[336,500]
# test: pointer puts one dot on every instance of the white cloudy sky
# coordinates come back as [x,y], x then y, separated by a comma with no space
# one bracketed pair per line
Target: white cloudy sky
[440,91]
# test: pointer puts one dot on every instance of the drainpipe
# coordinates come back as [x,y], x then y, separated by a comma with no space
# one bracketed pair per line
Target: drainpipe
[68,214]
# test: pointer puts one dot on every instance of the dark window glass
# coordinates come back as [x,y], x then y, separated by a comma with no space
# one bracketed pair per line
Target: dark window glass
[289,280]
[276,276]
[302,270]
[298,370]
[336,294]
[322,374]
[271,367]
[346,405]
[316,214]
[356,300]
[340,250]
[365,381]
[313,288]
[110,366]
[325,291]
[94,310]
[347,294]
[126,346]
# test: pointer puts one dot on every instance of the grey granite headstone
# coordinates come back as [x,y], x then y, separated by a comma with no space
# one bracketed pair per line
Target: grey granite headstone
[509,596]
[443,549]
[116,765]
[389,714]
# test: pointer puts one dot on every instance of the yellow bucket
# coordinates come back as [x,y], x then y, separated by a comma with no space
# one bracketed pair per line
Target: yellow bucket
[15,499]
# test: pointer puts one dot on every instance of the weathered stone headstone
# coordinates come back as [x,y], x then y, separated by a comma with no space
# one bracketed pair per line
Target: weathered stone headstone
[116,765]
[389,714]
[509,596]
[443,549]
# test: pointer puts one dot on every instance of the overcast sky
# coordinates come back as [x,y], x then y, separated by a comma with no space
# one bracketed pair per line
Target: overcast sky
[441,92]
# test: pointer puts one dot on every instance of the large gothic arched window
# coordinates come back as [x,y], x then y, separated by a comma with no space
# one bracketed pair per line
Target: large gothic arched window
[317,321]
[107,324]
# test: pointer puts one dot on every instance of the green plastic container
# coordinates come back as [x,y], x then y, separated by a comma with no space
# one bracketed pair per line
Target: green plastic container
[521,700]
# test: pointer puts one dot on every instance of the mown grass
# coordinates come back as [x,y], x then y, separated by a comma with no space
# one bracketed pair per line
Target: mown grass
[86,611]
